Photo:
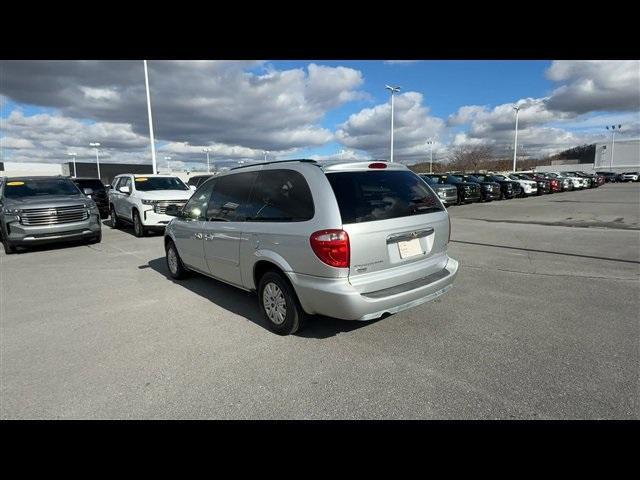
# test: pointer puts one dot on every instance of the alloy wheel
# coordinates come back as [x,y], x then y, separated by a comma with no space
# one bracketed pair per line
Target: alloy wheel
[274,303]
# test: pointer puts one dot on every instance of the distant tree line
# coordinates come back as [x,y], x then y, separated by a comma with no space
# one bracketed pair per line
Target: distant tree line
[472,158]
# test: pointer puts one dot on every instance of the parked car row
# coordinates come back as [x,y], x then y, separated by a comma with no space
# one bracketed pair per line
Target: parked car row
[620,177]
[486,187]
[354,241]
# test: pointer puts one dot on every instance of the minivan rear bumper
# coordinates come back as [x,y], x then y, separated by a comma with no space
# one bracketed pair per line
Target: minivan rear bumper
[336,297]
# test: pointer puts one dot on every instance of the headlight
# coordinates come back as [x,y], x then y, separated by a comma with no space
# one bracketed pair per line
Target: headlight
[149,202]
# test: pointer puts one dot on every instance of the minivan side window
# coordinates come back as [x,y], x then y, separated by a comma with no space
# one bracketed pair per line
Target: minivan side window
[280,196]
[114,184]
[196,207]
[230,197]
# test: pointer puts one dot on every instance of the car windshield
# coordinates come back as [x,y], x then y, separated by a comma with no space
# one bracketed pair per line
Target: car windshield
[501,177]
[89,183]
[147,184]
[485,178]
[429,180]
[39,188]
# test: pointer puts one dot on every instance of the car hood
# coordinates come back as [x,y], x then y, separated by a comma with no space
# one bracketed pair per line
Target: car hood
[526,182]
[48,201]
[444,187]
[165,195]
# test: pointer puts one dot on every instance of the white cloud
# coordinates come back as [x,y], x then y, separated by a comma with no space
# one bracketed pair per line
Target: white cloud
[369,129]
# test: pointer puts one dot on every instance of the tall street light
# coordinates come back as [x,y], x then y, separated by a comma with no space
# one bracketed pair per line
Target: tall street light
[430,143]
[393,89]
[613,142]
[515,143]
[75,172]
[207,150]
[168,159]
[153,143]
[96,145]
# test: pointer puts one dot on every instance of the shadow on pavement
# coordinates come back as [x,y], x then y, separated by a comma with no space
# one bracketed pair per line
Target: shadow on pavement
[245,303]
[128,228]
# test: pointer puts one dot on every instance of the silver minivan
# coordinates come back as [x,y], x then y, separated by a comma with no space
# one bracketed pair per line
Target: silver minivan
[353,241]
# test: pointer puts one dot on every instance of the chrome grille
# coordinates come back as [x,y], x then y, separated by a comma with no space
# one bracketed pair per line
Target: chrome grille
[53,216]
[161,206]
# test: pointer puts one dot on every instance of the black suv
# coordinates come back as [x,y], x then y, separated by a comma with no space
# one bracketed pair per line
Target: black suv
[508,188]
[96,191]
[488,190]
[468,192]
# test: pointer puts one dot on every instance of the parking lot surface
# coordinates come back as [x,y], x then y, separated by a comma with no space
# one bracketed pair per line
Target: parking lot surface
[542,323]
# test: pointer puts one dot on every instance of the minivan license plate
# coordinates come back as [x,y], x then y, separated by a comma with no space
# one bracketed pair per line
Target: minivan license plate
[410,248]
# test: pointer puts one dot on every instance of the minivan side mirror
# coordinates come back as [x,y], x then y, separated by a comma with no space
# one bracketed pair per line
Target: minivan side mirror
[173,210]
[124,189]
[87,191]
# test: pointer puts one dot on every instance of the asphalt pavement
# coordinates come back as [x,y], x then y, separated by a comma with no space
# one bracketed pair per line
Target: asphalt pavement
[542,323]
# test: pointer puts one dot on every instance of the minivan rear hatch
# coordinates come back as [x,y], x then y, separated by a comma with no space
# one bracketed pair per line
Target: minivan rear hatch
[398,229]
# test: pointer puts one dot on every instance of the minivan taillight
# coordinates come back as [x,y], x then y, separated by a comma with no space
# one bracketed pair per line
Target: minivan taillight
[377,165]
[332,247]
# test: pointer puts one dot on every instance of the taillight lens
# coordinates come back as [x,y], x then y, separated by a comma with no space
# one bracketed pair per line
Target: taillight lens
[332,247]
[378,165]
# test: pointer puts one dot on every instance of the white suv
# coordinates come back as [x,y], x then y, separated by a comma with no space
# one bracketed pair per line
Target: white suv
[143,199]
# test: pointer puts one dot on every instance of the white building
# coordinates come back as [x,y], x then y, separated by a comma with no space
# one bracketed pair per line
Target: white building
[626,155]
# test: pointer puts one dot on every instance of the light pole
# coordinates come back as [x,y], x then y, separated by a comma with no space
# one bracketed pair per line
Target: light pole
[393,89]
[153,143]
[168,159]
[515,143]
[430,143]
[265,155]
[96,145]
[75,172]
[207,150]
[613,142]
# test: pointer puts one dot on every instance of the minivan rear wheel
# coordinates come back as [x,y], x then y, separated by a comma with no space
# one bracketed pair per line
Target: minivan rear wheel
[279,304]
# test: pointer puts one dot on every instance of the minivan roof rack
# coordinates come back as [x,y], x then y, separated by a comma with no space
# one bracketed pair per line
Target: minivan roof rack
[306,160]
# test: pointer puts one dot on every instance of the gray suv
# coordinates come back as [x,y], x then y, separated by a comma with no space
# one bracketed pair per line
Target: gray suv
[36,210]
[352,241]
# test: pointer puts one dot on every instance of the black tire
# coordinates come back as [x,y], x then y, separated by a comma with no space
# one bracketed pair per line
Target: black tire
[138,228]
[96,238]
[9,248]
[294,317]
[177,270]
[115,223]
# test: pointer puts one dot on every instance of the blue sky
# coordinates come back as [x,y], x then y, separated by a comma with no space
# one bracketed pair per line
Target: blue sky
[311,108]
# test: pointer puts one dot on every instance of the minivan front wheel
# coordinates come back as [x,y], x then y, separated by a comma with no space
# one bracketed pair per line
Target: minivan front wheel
[279,304]
[174,262]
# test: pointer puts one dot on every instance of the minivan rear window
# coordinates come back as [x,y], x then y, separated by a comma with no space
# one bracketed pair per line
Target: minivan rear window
[381,195]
